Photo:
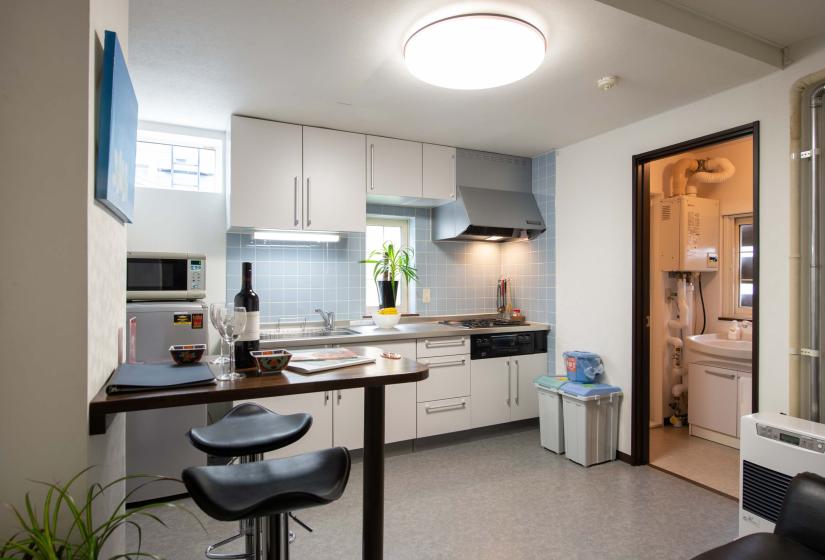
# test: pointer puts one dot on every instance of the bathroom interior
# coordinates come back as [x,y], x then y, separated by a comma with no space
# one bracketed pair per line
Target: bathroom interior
[701,300]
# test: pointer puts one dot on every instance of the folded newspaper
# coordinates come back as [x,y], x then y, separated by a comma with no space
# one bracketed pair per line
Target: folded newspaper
[316,354]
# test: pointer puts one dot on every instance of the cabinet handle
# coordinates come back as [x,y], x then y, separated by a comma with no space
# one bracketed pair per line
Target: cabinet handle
[372,167]
[443,343]
[720,374]
[509,385]
[453,177]
[444,407]
[309,220]
[339,397]
[326,397]
[518,374]
[295,202]
[445,364]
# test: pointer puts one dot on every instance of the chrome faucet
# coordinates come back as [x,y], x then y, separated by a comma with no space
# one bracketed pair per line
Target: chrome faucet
[328,318]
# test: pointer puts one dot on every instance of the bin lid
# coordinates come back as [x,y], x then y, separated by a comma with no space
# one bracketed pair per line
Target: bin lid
[589,389]
[550,382]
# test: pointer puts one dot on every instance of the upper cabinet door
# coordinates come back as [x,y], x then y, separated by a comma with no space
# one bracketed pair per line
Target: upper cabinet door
[439,172]
[334,180]
[393,167]
[265,182]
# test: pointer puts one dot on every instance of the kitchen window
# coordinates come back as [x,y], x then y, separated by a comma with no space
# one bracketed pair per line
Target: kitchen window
[379,231]
[737,270]
[185,162]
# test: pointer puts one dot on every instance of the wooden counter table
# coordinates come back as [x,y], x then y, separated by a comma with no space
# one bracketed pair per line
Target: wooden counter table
[372,377]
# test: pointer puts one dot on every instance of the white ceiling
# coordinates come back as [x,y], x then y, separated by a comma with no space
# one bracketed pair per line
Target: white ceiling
[780,22]
[338,64]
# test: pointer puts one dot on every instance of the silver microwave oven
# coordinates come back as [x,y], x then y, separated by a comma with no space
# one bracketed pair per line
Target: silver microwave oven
[165,276]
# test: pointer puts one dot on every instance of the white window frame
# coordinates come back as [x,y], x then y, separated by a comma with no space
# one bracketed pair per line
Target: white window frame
[192,138]
[730,267]
[402,300]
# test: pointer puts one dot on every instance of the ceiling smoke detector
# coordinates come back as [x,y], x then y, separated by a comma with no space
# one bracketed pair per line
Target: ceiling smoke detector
[607,82]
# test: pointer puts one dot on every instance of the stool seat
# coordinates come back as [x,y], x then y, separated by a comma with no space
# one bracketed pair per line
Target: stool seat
[248,429]
[265,488]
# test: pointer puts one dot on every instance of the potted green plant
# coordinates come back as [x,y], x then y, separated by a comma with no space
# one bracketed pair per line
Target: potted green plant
[390,263]
[66,529]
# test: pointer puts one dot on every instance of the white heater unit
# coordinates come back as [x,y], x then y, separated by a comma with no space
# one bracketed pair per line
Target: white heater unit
[774,449]
[688,234]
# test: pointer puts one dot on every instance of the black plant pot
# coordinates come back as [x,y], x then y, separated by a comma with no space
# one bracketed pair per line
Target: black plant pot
[386,297]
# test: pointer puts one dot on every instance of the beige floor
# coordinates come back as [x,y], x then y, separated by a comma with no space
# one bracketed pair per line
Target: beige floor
[707,463]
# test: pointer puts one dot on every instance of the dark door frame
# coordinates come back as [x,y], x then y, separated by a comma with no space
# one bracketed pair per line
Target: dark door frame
[640,414]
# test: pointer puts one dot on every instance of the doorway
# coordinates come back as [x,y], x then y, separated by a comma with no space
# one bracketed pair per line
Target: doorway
[695,287]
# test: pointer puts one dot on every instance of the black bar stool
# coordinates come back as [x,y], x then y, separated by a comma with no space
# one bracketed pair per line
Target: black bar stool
[247,432]
[268,491]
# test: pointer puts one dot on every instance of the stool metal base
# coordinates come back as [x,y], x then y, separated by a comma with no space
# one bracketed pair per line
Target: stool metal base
[277,537]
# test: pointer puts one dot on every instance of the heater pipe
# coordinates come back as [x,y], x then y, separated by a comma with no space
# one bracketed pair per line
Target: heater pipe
[813,349]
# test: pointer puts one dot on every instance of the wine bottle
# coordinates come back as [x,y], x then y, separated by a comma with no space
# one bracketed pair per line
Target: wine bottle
[251,337]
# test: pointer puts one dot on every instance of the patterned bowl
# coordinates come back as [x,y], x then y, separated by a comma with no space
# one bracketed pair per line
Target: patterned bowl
[271,361]
[187,353]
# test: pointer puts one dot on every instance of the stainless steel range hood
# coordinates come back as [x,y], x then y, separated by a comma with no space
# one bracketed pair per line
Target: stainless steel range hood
[494,201]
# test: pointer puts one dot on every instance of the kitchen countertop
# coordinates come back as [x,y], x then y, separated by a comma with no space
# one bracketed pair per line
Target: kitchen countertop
[402,331]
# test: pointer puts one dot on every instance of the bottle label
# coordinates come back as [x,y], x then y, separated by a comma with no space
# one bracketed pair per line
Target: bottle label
[252,330]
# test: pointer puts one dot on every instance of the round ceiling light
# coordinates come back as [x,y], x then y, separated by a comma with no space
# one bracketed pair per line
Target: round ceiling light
[475,51]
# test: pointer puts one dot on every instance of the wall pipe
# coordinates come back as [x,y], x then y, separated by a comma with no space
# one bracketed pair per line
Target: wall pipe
[813,350]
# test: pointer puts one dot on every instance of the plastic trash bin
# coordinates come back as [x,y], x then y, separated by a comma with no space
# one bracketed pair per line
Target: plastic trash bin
[591,422]
[551,416]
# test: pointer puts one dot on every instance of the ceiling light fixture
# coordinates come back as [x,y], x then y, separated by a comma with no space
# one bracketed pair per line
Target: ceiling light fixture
[475,51]
[296,236]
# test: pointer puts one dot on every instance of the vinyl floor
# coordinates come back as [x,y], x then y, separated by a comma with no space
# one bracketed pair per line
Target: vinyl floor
[499,496]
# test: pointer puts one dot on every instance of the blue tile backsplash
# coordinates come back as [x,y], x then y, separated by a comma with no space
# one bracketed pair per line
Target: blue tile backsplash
[294,278]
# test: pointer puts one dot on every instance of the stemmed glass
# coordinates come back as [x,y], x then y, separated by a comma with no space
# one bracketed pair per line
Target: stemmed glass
[233,322]
[215,318]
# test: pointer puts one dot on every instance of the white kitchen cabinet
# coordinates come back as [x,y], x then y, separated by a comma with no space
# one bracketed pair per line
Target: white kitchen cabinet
[399,400]
[713,401]
[444,416]
[318,405]
[348,418]
[334,180]
[449,377]
[443,346]
[524,402]
[502,388]
[265,188]
[393,167]
[438,172]
[491,391]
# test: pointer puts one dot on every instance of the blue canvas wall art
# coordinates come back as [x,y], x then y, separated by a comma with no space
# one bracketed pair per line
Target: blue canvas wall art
[117,133]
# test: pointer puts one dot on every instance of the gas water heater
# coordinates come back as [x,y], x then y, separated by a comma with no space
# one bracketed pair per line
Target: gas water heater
[689,234]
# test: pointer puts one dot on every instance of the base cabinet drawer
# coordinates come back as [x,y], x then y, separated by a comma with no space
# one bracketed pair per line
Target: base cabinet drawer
[444,416]
[443,346]
[449,377]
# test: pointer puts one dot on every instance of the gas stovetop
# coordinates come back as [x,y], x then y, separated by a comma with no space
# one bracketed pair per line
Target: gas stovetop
[484,323]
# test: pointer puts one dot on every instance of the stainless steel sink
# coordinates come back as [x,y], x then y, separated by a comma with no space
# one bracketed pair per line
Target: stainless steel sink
[291,334]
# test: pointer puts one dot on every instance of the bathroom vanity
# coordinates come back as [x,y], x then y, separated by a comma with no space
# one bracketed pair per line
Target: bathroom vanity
[719,386]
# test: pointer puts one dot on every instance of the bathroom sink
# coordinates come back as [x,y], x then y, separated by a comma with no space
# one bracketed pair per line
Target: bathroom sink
[714,345]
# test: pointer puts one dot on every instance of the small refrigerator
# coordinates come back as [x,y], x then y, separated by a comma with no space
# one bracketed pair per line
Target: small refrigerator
[156,442]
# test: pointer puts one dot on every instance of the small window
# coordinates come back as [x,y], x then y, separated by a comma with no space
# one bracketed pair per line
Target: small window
[737,272]
[184,162]
[379,231]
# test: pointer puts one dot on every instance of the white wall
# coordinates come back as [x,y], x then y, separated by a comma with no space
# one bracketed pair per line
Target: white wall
[171,221]
[61,289]
[594,247]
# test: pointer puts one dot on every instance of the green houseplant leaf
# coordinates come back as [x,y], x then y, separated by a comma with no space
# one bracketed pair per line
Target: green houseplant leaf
[390,263]
[68,530]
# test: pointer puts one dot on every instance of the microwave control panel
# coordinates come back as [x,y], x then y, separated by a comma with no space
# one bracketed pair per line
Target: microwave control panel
[196,274]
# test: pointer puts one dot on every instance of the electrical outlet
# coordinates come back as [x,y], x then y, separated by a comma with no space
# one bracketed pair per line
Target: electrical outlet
[425,295]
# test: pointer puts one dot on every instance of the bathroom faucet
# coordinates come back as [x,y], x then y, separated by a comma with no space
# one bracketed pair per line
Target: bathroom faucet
[328,318]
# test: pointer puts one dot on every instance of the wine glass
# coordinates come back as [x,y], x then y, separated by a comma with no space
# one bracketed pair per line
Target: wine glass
[233,322]
[215,310]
